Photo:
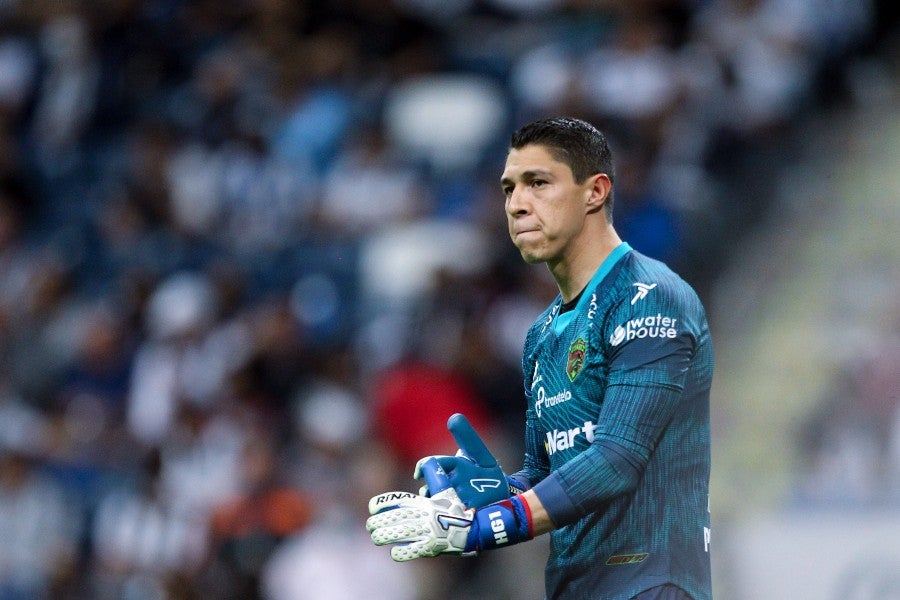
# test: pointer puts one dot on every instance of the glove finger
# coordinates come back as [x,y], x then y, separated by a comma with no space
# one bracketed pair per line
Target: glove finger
[445,462]
[397,515]
[469,442]
[379,521]
[407,531]
[407,552]
[388,501]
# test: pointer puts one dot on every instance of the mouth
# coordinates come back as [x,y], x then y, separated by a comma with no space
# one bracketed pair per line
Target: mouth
[524,230]
[526,233]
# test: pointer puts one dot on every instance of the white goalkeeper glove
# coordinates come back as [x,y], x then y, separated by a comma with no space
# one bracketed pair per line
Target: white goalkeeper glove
[421,526]
[425,527]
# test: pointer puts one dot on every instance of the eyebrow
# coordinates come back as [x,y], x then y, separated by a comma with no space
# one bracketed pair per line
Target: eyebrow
[526,175]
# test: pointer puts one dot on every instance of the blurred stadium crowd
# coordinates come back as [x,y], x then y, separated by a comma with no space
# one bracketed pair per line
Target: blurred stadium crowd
[252,254]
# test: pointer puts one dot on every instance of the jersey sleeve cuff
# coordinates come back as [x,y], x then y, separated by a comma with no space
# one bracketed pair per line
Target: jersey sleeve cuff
[559,506]
[517,484]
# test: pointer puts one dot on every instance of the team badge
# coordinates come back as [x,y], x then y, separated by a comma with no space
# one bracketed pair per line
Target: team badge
[577,352]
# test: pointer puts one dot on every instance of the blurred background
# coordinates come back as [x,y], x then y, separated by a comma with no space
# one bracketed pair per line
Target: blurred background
[253,255]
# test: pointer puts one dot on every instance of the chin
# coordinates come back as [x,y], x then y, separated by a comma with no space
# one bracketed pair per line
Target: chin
[531,258]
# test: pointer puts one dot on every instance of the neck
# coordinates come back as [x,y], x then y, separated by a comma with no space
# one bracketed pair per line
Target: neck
[573,272]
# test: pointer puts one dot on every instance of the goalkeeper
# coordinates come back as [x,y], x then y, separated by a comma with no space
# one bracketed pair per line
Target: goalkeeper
[618,371]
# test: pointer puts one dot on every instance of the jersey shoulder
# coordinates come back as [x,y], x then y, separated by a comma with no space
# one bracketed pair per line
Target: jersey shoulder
[645,283]
[647,291]
[640,271]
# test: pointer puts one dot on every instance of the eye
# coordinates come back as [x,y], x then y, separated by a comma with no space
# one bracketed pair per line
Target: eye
[538,183]
[507,190]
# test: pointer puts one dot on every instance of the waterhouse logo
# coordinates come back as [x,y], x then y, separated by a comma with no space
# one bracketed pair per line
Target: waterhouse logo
[655,326]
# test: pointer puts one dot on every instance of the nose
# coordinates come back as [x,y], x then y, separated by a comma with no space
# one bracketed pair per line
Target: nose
[515,203]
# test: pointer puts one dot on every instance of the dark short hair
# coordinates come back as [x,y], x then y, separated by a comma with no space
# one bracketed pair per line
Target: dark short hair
[573,142]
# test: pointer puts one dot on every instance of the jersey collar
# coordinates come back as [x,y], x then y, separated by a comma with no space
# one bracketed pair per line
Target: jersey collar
[562,321]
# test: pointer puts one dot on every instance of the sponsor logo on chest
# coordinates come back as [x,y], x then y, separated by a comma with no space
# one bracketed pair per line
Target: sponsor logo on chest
[563,439]
[543,399]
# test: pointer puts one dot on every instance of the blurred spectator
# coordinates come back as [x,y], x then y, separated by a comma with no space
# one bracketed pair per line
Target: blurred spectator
[445,121]
[338,465]
[92,390]
[314,565]
[18,79]
[850,443]
[316,104]
[15,257]
[39,527]
[412,402]
[370,186]
[545,78]
[42,317]
[67,95]
[632,81]
[143,544]
[239,195]
[186,358]
[328,419]
[645,211]
[202,445]
[763,46]
[249,525]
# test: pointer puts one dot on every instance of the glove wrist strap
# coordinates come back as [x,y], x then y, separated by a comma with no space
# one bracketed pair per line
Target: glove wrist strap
[500,524]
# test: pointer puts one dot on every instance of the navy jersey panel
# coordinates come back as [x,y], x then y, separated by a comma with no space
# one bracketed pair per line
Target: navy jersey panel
[618,412]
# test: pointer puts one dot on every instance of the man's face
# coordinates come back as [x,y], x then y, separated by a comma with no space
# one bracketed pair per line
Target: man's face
[545,207]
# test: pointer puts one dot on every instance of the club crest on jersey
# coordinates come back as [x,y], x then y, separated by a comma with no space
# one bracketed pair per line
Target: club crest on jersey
[577,352]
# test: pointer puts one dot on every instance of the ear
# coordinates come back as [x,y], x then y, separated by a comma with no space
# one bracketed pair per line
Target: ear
[598,190]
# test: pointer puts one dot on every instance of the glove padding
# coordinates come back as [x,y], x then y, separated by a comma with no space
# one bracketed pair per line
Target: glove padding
[421,526]
[474,472]
[426,527]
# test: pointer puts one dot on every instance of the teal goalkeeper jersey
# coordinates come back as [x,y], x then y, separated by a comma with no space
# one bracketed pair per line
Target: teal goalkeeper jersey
[617,433]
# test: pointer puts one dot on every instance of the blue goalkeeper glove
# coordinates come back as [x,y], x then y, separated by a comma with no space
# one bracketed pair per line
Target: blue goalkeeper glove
[423,527]
[474,472]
